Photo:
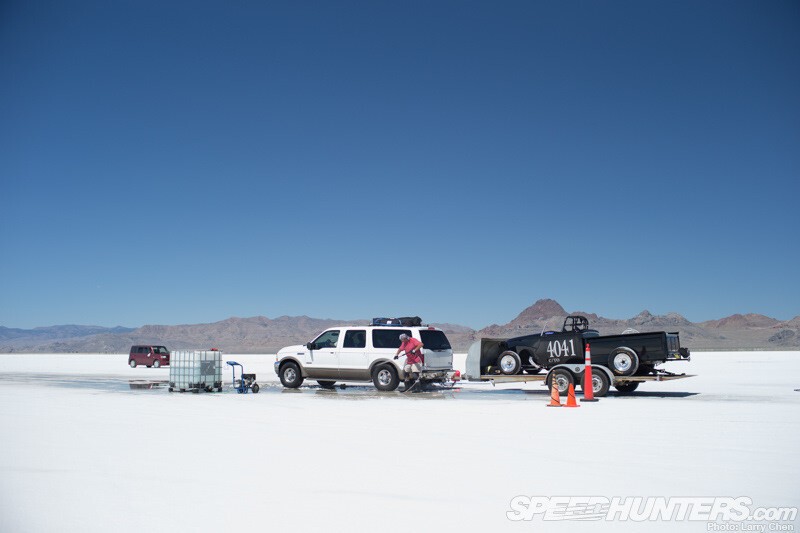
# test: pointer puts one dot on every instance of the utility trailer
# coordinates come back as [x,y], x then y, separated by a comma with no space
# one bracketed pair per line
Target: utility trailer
[623,361]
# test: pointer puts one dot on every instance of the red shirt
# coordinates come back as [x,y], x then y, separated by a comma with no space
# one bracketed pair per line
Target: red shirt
[408,346]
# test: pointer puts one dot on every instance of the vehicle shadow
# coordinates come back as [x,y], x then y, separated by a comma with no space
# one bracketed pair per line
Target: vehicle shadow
[363,392]
[653,394]
[615,394]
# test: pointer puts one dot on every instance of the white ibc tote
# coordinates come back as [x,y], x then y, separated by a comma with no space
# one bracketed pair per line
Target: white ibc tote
[195,370]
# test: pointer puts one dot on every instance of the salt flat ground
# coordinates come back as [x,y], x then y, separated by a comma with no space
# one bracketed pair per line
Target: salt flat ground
[85,448]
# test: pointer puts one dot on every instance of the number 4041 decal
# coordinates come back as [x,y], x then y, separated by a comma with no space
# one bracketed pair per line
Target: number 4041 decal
[561,348]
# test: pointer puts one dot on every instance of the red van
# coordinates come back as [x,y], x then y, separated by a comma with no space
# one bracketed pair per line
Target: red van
[148,355]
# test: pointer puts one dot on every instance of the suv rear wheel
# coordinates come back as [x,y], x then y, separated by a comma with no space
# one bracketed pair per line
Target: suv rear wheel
[291,376]
[385,378]
[132,363]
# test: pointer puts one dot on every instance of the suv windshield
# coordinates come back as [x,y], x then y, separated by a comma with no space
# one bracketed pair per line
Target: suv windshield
[434,340]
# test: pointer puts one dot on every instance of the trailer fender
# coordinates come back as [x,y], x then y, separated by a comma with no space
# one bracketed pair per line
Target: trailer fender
[607,372]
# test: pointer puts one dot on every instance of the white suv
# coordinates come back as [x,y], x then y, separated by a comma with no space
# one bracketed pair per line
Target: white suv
[363,353]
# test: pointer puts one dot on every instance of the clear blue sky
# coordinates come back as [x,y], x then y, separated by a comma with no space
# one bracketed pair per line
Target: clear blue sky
[181,162]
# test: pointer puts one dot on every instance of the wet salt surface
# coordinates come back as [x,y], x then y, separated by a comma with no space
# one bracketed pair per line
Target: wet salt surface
[90,382]
[341,391]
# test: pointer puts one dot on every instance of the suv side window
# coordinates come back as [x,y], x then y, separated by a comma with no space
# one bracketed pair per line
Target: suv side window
[328,339]
[388,338]
[142,349]
[355,338]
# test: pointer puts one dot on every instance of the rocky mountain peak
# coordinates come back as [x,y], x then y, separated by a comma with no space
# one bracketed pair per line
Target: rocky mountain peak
[541,310]
[750,320]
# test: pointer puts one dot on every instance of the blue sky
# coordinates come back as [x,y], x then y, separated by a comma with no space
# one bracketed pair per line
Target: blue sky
[183,162]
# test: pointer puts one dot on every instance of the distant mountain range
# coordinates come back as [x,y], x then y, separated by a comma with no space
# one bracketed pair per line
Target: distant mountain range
[264,335]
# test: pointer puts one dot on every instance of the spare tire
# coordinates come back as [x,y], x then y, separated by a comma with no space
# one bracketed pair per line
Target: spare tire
[623,362]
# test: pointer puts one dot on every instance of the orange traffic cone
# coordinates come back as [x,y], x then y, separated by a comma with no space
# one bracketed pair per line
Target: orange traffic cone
[555,397]
[588,391]
[571,401]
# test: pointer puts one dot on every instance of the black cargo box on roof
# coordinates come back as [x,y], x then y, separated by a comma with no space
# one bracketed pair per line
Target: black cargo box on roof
[403,321]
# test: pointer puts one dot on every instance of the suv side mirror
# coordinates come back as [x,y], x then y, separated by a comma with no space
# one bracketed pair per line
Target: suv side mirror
[311,346]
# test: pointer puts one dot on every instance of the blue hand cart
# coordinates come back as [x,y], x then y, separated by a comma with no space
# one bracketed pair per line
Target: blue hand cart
[245,382]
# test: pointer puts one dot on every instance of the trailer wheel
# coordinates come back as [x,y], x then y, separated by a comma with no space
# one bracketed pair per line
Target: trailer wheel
[326,384]
[623,362]
[291,376]
[600,383]
[255,388]
[627,387]
[385,378]
[509,363]
[563,379]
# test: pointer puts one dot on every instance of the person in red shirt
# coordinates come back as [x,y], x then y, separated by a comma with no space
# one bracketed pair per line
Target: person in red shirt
[413,349]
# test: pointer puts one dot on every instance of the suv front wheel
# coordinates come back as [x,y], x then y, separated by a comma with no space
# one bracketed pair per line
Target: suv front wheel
[385,378]
[291,376]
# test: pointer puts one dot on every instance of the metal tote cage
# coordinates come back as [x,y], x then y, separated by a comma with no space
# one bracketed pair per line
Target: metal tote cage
[195,371]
